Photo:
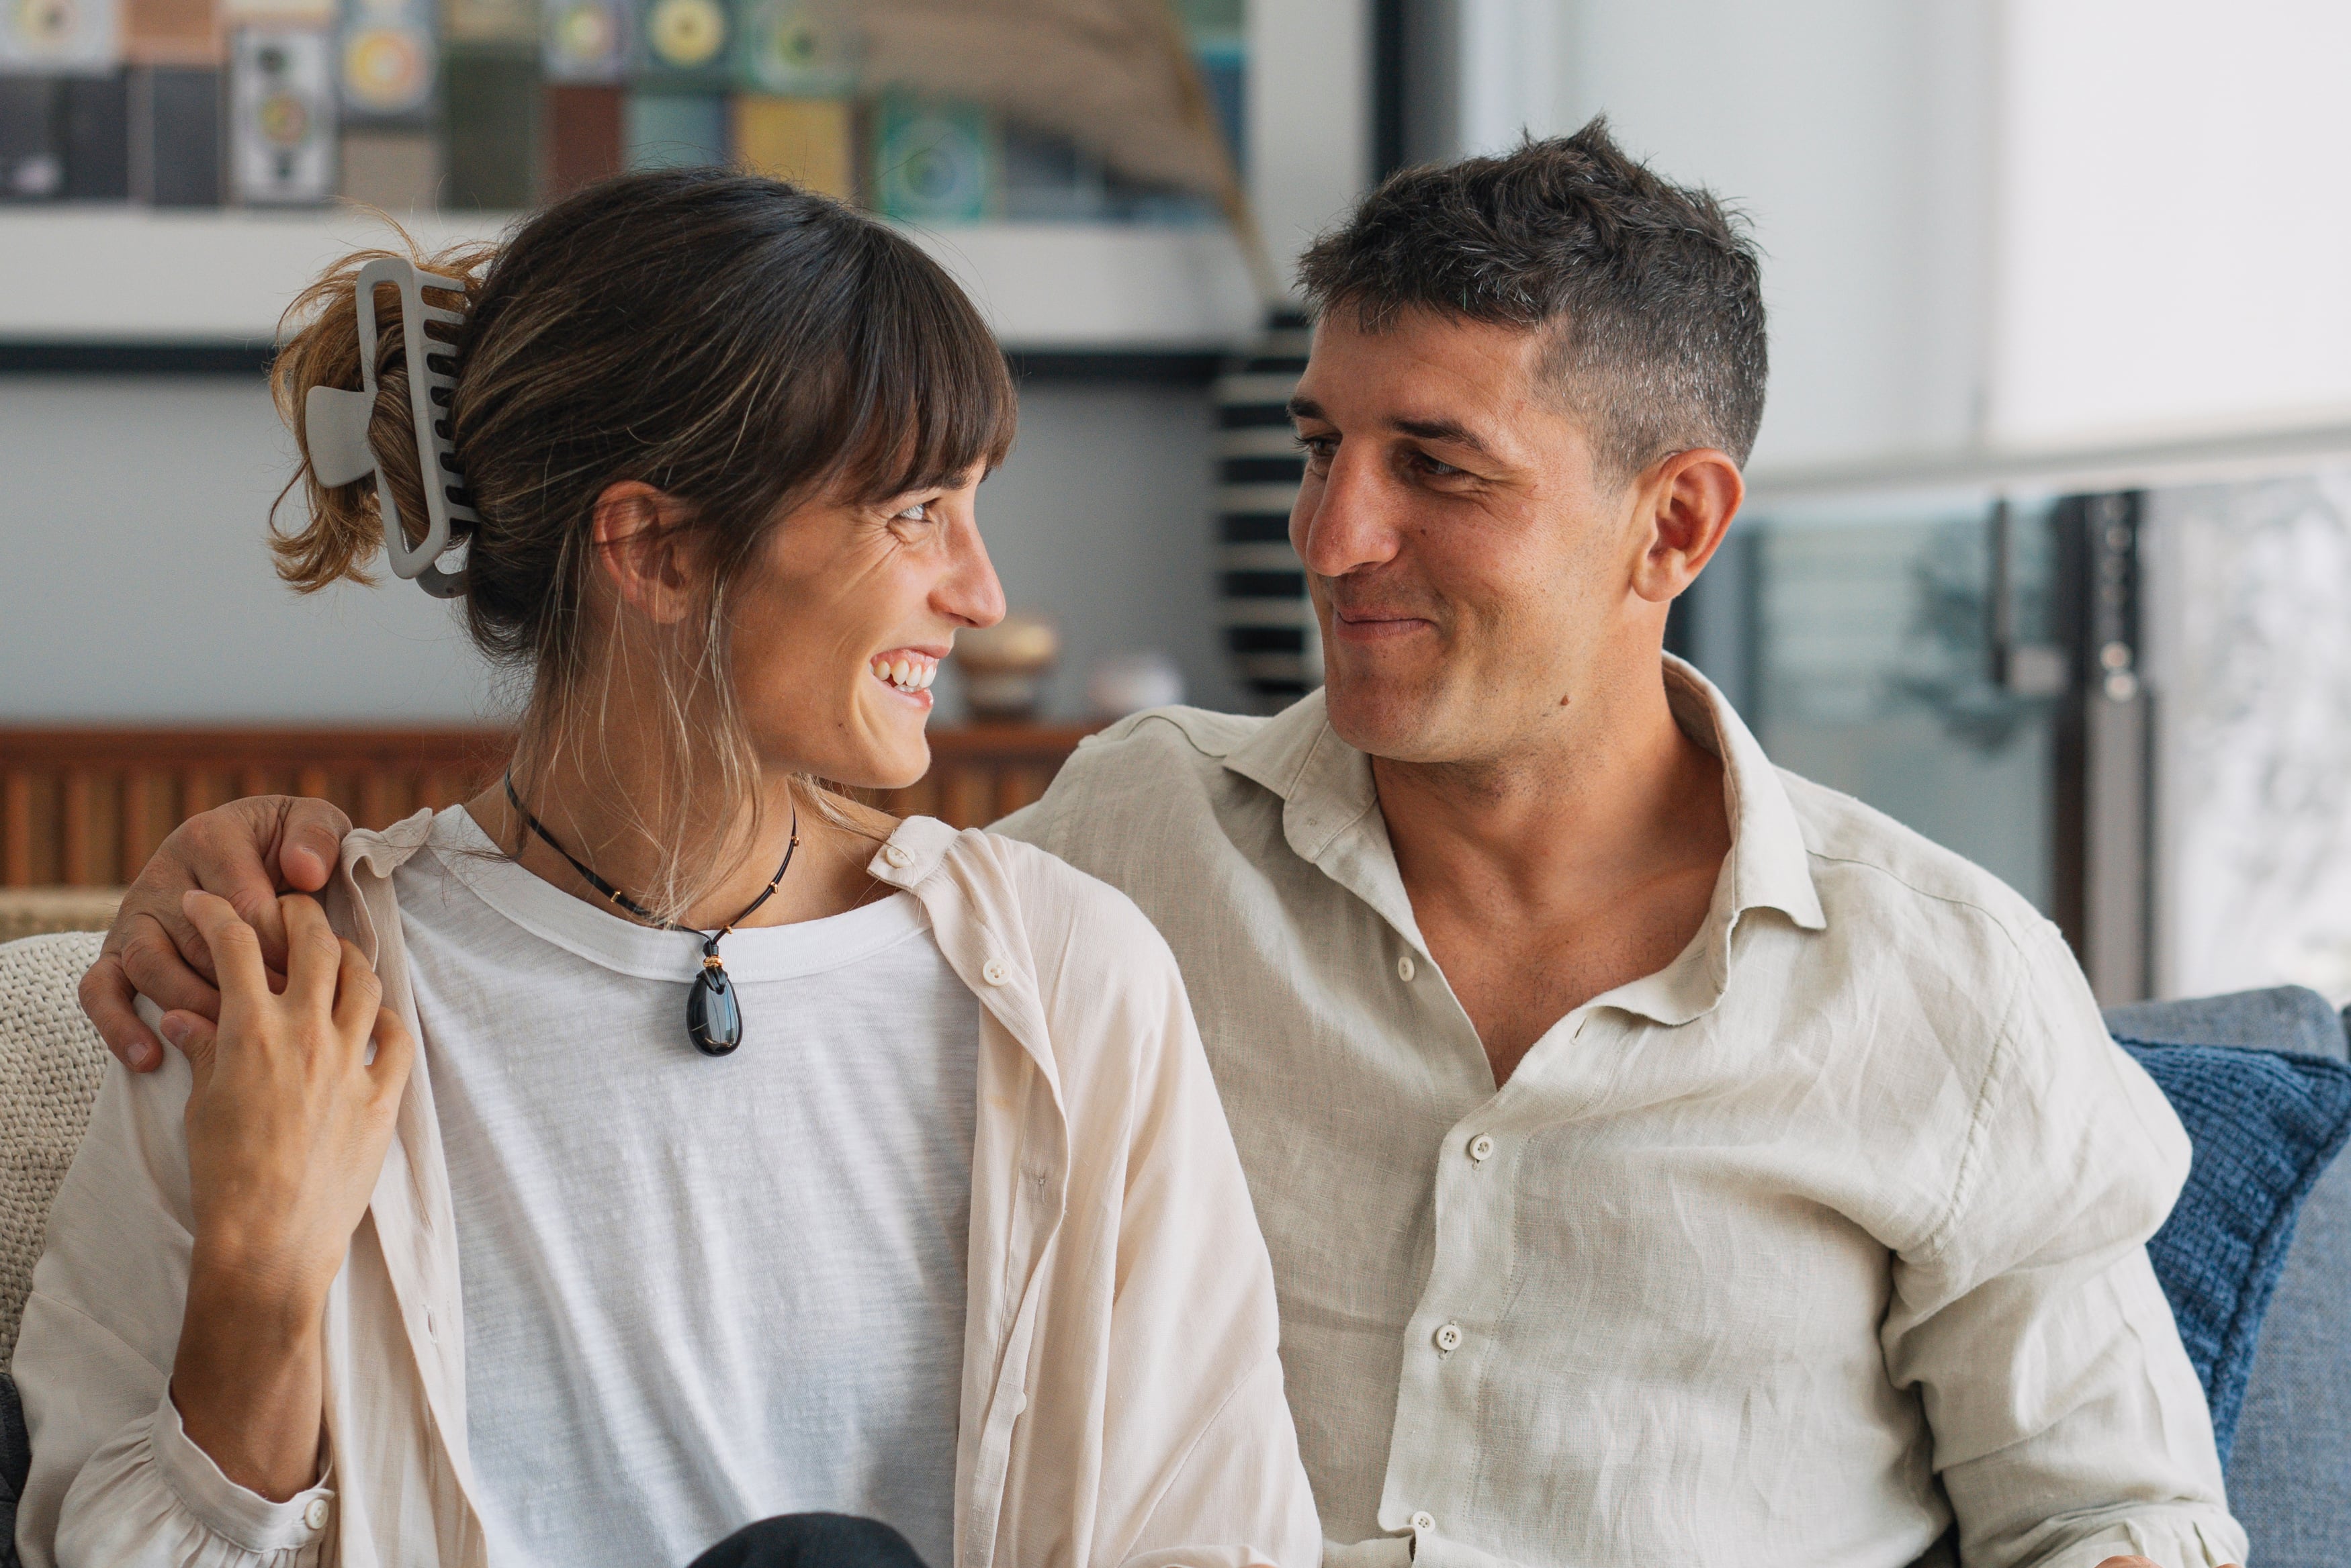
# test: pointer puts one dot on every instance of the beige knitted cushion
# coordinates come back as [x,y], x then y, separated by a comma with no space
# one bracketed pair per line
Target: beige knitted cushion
[51,1063]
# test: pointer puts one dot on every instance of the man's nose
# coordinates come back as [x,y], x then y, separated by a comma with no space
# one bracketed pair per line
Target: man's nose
[1346,520]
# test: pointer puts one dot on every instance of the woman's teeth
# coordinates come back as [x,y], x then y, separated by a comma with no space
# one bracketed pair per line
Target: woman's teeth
[907,672]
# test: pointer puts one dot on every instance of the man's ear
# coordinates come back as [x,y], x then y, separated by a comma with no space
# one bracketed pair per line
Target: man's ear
[645,553]
[1688,499]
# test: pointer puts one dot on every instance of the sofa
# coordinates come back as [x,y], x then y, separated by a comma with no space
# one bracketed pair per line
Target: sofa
[2288,1471]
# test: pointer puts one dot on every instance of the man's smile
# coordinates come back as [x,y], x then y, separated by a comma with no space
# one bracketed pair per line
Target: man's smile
[1374,623]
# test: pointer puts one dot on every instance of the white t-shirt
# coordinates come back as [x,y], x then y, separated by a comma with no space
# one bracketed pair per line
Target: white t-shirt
[698,1292]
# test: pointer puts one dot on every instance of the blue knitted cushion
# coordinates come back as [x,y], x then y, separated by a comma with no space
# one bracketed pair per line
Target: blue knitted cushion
[2264,1125]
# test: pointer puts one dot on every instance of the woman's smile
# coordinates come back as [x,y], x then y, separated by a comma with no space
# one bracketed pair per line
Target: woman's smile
[908,671]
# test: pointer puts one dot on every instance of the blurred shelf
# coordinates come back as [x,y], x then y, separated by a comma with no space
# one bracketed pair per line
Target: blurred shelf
[86,280]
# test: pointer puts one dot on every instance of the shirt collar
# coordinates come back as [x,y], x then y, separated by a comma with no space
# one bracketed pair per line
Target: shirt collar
[1331,819]
[1329,807]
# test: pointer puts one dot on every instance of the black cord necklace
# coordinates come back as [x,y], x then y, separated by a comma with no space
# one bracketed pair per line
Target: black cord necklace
[714,1020]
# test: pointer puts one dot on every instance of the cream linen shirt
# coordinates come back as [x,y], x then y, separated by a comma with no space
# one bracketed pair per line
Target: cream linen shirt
[1824,1236]
[1122,1388]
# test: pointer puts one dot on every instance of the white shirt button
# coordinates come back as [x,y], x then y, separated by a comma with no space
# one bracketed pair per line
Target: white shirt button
[1448,1338]
[1423,1522]
[1404,970]
[1481,1149]
[316,1513]
[995,973]
[895,854]
[432,1325]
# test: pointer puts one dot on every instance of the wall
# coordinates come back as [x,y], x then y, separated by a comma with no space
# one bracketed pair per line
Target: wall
[1994,228]
[1310,107]
[136,588]
[1856,136]
[2171,248]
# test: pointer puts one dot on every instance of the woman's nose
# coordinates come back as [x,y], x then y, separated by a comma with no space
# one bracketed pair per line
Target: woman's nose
[972,593]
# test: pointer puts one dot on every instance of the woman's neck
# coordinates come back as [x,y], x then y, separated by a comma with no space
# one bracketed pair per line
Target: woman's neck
[605,810]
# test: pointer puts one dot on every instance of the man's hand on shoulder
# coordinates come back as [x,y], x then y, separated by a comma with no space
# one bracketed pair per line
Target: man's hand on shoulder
[247,852]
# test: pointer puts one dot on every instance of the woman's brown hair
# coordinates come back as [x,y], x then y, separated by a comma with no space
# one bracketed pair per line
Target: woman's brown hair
[740,344]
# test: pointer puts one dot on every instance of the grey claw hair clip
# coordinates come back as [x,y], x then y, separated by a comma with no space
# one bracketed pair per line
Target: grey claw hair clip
[335,426]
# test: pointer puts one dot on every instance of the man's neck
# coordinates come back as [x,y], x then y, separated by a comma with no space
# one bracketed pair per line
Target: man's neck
[1556,870]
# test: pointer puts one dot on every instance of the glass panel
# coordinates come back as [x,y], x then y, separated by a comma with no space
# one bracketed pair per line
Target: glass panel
[1873,669]
[2249,655]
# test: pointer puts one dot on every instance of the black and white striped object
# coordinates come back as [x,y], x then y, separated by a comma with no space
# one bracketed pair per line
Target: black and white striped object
[1262,588]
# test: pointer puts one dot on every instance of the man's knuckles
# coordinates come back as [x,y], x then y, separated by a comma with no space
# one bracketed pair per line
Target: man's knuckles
[143,947]
[209,838]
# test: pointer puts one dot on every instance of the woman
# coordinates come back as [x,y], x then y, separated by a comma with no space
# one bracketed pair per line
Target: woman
[529,1264]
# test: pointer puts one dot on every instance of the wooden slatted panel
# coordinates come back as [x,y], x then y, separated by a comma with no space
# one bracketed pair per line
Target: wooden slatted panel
[87,807]
[17,830]
[77,853]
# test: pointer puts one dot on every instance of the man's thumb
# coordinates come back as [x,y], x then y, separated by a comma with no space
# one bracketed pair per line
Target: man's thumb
[309,844]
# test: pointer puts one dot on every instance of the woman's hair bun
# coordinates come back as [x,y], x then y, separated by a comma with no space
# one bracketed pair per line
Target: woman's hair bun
[341,530]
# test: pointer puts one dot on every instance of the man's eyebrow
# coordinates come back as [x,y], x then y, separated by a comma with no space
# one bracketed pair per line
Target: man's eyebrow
[1449,431]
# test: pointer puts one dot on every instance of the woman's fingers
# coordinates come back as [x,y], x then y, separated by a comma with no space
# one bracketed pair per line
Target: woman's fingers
[193,1035]
[358,992]
[314,957]
[395,1052]
[236,951]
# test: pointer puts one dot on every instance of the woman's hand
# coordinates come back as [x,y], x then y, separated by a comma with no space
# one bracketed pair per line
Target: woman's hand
[247,851]
[287,1125]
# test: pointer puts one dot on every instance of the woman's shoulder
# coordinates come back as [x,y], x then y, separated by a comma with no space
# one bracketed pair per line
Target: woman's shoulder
[1075,925]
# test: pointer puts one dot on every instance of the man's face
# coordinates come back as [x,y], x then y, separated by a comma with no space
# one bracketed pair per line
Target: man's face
[1470,572]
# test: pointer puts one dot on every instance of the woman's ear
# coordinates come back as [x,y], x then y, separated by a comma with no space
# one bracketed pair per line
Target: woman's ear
[645,552]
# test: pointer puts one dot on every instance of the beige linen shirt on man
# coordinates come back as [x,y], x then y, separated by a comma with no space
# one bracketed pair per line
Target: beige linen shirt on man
[1121,1396]
[1831,1230]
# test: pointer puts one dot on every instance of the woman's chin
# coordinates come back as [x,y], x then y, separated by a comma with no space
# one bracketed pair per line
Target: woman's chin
[895,756]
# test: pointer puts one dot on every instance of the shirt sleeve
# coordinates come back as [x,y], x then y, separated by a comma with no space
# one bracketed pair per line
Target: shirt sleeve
[115,1481]
[2069,1426]
[1029,823]
[1201,1457]
[150,1498]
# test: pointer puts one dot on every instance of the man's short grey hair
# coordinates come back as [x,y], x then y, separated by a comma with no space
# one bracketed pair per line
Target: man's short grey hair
[1653,290]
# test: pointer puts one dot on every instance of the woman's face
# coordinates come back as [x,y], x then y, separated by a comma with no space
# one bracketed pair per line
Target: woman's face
[839,623]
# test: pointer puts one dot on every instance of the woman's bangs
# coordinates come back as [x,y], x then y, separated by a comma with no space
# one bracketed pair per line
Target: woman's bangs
[932,397]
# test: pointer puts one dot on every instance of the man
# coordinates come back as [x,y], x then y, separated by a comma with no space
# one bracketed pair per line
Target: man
[1663,1160]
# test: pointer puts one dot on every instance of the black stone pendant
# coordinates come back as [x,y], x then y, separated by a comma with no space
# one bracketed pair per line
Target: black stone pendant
[713,1020]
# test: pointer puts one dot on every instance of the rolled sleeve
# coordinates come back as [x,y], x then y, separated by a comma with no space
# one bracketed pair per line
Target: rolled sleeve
[2069,1426]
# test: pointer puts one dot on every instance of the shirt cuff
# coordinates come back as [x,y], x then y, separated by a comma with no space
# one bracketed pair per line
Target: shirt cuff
[2176,1537]
[236,1513]
[1380,1551]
